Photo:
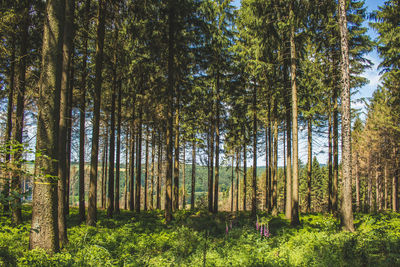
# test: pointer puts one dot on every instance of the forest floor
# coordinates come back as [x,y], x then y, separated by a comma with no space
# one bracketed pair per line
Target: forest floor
[202,239]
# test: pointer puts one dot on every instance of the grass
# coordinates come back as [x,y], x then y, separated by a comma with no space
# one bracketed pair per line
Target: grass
[199,239]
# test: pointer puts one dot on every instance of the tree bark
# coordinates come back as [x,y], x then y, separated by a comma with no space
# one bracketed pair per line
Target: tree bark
[169,111]
[217,141]
[44,228]
[82,116]
[110,196]
[275,172]
[9,125]
[153,150]
[184,177]
[192,194]
[232,184]
[18,124]
[295,206]
[146,168]
[347,211]
[92,208]
[132,169]
[237,178]
[159,162]
[330,167]
[288,209]
[175,205]
[211,169]
[309,164]
[138,163]
[254,178]
[118,155]
[244,174]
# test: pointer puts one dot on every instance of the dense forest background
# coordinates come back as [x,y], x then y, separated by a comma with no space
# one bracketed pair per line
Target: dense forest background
[162,106]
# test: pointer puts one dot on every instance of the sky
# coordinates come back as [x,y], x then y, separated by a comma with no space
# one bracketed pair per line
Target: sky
[372,74]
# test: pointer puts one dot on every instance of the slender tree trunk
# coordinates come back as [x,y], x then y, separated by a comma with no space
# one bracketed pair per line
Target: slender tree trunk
[104,170]
[110,196]
[138,164]
[153,150]
[127,149]
[254,178]
[270,159]
[266,167]
[132,169]
[175,205]
[146,167]
[288,209]
[232,184]
[330,169]
[9,126]
[118,155]
[309,164]
[82,116]
[244,175]
[217,141]
[18,126]
[184,177]
[295,207]
[347,211]
[237,178]
[192,194]
[385,197]
[169,115]
[44,228]
[211,168]
[395,202]
[335,150]
[69,127]
[92,208]
[357,172]
[275,172]
[159,162]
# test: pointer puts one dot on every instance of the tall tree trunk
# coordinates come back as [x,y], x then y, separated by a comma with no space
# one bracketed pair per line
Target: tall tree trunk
[357,174]
[118,155]
[295,207]
[395,202]
[347,211]
[244,174]
[266,201]
[232,184]
[69,127]
[10,107]
[330,167]
[159,166]
[127,168]
[211,169]
[288,209]
[184,177]
[175,205]
[217,141]
[275,172]
[192,194]
[132,169]
[17,129]
[138,163]
[309,164]
[270,160]
[82,116]
[92,208]
[169,113]
[385,196]
[110,196]
[254,178]
[153,151]
[146,168]
[237,178]
[44,228]
[104,170]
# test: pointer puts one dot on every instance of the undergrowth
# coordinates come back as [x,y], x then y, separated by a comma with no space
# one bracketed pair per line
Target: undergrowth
[199,238]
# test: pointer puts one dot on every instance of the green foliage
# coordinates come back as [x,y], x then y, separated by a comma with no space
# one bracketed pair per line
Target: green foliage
[197,237]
